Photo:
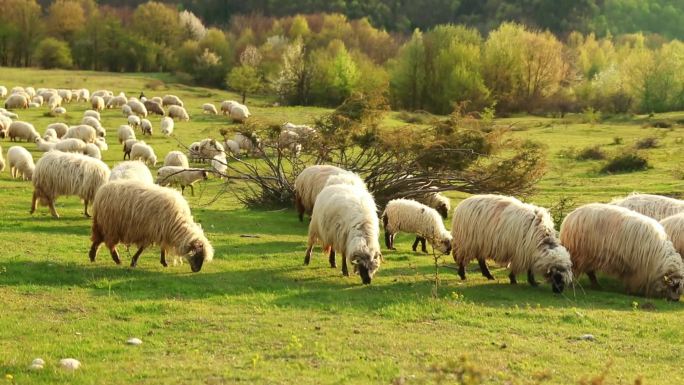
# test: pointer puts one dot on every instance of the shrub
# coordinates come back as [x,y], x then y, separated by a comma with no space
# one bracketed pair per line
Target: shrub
[647,142]
[417,117]
[661,124]
[627,162]
[53,53]
[591,153]
[617,140]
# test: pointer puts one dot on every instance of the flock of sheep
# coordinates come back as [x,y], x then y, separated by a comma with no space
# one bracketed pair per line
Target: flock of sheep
[622,239]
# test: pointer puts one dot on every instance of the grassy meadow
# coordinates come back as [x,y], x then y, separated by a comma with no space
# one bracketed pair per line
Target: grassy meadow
[256,315]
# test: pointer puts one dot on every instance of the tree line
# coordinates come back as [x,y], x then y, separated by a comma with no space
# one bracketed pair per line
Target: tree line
[323,58]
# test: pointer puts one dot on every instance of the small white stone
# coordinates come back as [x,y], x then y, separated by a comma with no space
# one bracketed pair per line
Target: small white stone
[134,341]
[38,361]
[35,367]
[69,363]
[587,337]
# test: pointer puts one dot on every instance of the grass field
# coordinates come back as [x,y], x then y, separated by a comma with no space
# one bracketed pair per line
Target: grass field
[256,315]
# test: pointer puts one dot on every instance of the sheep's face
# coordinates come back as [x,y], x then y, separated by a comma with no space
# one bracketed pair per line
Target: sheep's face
[195,255]
[366,264]
[670,286]
[444,245]
[558,265]
[443,210]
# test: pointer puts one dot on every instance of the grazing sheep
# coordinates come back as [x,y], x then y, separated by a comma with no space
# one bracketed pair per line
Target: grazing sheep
[84,94]
[44,145]
[126,111]
[124,133]
[60,128]
[239,113]
[514,234]
[176,158]
[625,244]
[232,146]
[92,114]
[15,101]
[311,181]
[178,176]
[157,99]
[34,105]
[289,140]
[177,112]
[248,142]
[405,215]
[62,174]
[674,227]
[128,147]
[101,93]
[66,95]
[437,201]
[134,121]
[132,169]
[84,132]
[71,145]
[93,151]
[193,151]
[3,91]
[208,149]
[345,220]
[38,100]
[142,151]
[5,122]
[146,127]
[94,123]
[302,130]
[22,130]
[31,91]
[20,163]
[654,206]
[136,213]
[172,100]
[17,89]
[97,103]
[54,102]
[59,111]
[2,160]
[101,144]
[154,107]
[50,135]
[209,108]
[226,105]
[7,114]
[138,108]
[167,126]
[220,164]
[117,101]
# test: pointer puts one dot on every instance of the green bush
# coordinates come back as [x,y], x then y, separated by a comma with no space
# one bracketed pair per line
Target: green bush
[627,162]
[591,153]
[53,53]
[647,142]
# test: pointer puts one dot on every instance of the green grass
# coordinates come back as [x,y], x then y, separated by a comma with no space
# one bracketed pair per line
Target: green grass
[256,315]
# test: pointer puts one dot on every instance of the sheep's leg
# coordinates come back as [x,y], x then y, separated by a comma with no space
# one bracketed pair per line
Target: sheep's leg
[34,201]
[307,256]
[594,280]
[423,246]
[134,261]
[93,249]
[53,210]
[345,269]
[115,255]
[484,269]
[85,208]
[415,244]
[162,258]
[388,240]
[299,207]
[331,257]
[530,278]
[192,190]
[461,270]
[182,190]
[514,281]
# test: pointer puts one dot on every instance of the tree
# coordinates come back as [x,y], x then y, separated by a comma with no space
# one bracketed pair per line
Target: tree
[157,22]
[23,19]
[294,78]
[65,18]
[192,26]
[244,80]
[53,53]
[299,28]
[407,76]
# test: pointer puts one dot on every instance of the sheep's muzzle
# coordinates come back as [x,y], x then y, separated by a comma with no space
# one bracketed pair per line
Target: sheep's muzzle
[365,275]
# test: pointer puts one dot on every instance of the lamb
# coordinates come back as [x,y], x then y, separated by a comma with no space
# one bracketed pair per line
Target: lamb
[134,121]
[128,147]
[209,108]
[345,220]
[208,149]
[34,105]
[20,163]
[176,158]
[93,151]
[654,206]
[134,212]
[239,113]
[92,114]
[125,132]
[437,201]
[172,100]
[146,127]
[84,132]
[15,101]
[126,111]
[625,244]
[154,107]
[22,130]
[132,169]
[174,175]
[60,128]
[138,108]
[141,151]
[232,146]
[58,111]
[97,103]
[71,145]
[514,234]
[62,174]
[416,218]
[674,227]
[45,145]
[310,182]
[177,112]
[167,126]
[50,135]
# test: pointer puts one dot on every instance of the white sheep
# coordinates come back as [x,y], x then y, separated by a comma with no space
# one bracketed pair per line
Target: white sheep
[38,100]
[134,121]
[125,132]
[167,126]
[58,111]
[92,114]
[101,144]
[304,131]
[250,143]
[54,102]
[3,91]
[126,111]
[146,127]
[50,135]
[226,105]
[84,94]
[20,163]
[31,91]
[22,130]
[84,132]
[437,201]
[138,108]
[8,114]
[136,213]
[93,151]
[345,220]
[142,151]
[117,101]
[239,113]
[101,93]
[674,227]
[97,103]
[15,101]
[132,169]
[66,95]
[177,112]
[63,174]
[220,164]
[193,151]
[34,105]
[5,122]
[60,128]
[514,234]
[208,149]
[625,244]
[232,146]
[209,108]
[409,216]
[172,100]
[289,140]
[178,176]
[45,145]
[71,145]
[91,121]
[310,182]
[128,147]
[176,158]
[654,206]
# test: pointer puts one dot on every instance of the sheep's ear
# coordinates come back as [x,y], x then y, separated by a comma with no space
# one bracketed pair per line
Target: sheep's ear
[666,279]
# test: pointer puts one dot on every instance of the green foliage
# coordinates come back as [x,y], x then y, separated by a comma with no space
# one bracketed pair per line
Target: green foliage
[244,80]
[53,53]
[646,143]
[625,162]
[591,153]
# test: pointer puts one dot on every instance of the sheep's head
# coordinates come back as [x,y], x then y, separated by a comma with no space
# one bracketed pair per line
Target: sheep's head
[366,264]
[197,252]
[670,286]
[443,210]
[554,261]
[443,244]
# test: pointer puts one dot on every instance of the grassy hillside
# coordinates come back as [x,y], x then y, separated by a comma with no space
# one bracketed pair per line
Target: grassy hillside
[256,315]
